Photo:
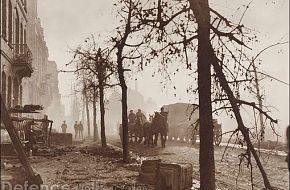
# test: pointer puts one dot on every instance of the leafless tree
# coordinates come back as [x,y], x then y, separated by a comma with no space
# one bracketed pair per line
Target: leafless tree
[99,72]
[127,54]
[185,29]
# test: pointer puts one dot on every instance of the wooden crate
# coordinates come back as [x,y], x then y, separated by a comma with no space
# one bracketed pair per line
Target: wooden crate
[175,176]
[61,139]
[149,171]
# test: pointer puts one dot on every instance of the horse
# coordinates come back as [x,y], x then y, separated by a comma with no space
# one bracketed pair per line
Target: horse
[147,131]
[139,130]
[159,125]
[132,132]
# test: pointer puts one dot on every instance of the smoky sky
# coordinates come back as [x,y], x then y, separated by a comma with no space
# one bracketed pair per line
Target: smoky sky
[67,23]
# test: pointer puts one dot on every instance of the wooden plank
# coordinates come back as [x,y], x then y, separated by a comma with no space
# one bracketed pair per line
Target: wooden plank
[5,118]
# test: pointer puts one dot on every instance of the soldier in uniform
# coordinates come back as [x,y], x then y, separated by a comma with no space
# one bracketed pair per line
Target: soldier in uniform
[81,129]
[76,127]
[64,127]
[132,117]
[164,114]
[141,119]
[141,116]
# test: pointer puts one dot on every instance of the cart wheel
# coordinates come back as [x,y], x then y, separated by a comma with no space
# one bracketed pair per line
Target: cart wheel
[218,137]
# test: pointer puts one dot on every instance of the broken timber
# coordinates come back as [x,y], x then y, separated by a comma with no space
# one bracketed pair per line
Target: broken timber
[5,118]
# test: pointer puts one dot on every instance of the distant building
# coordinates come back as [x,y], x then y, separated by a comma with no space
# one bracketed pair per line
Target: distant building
[135,101]
[53,107]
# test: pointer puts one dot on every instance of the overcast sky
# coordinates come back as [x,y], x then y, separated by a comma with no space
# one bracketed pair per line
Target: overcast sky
[68,22]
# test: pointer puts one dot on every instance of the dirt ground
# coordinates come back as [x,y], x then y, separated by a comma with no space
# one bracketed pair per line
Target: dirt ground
[227,170]
[88,166]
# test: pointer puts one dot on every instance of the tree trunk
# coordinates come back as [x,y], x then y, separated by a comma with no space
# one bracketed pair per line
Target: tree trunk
[88,114]
[124,107]
[102,111]
[206,157]
[125,122]
[120,46]
[96,136]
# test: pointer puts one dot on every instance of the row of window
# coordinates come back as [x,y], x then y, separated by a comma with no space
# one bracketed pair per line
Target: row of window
[11,91]
[9,24]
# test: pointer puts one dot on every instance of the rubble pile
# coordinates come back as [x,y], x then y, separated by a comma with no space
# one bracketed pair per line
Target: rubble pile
[108,151]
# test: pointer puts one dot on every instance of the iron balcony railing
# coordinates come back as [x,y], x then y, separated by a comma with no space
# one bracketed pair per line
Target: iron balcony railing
[22,54]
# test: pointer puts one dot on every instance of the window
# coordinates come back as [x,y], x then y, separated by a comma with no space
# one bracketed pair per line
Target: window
[17,33]
[21,37]
[21,33]
[16,28]
[24,36]
[9,92]
[3,87]
[15,92]
[4,18]
[10,22]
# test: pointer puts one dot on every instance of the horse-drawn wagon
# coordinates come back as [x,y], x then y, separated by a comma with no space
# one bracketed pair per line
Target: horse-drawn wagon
[217,132]
[177,122]
[184,126]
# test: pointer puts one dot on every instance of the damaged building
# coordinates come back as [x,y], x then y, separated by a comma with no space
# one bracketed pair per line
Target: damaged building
[25,68]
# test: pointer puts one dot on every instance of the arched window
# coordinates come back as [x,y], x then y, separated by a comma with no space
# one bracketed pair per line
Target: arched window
[10,22]
[15,92]
[9,92]
[3,86]
[4,18]
[21,37]
[17,31]
[24,33]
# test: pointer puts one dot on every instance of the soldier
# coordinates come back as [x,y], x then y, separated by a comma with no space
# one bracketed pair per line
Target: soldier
[164,114]
[76,127]
[132,117]
[141,116]
[120,131]
[45,125]
[81,128]
[64,127]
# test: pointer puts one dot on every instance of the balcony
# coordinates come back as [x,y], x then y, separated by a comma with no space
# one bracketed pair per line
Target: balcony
[22,60]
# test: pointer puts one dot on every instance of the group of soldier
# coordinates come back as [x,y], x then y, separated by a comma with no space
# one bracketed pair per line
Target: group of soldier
[78,127]
[132,117]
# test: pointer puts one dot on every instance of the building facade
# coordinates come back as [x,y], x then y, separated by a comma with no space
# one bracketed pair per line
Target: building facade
[27,75]
[16,57]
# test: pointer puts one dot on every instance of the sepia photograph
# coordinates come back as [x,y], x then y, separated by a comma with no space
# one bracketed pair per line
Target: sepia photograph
[144,94]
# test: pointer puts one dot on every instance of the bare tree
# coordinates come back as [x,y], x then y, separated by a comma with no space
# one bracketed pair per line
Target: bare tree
[191,28]
[86,106]
[126,52]
[99,71]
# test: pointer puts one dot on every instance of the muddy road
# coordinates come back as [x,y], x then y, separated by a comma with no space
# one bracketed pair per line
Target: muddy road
[228,173]
[91,167]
